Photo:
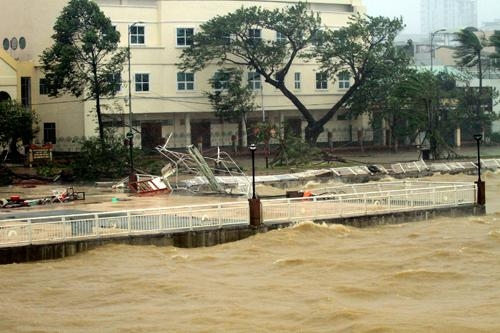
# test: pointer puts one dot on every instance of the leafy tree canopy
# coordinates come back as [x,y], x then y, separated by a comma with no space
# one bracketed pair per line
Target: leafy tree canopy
[85,59]
[231,98]
[468,51]
[232,39]
[16,123]
[495,41]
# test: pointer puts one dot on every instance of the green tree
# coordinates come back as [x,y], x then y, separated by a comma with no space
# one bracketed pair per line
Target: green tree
[380,98]
[232,39]
[96,161]
[468,54]
[230,98]
[16,123]
[85,59]
[495,42]
[365,50]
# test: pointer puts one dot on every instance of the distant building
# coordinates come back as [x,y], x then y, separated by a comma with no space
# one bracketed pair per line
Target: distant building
[449,14]
[491,25]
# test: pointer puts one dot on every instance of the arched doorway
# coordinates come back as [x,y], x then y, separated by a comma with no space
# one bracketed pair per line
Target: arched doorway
[4,96]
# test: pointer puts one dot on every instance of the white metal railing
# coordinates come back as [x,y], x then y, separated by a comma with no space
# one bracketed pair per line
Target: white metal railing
[41,230]
[382,200]
[343,201]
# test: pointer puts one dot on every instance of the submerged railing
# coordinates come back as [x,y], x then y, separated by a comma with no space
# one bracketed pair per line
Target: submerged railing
[338,202]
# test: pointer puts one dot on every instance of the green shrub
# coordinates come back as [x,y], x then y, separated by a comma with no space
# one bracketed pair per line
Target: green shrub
[98,162]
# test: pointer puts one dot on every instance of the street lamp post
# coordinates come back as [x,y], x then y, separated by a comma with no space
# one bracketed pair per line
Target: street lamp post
[130,134]
[433,34]
[254,202]
[253,148]
[481,197]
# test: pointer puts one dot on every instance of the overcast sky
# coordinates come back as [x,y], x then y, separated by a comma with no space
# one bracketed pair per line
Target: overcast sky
[488,10]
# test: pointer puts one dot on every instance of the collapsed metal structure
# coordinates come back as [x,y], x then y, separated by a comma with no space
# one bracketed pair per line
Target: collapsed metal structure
[217,174]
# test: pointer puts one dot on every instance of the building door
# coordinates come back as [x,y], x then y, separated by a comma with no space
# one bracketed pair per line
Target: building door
[150,136]
[295,127]
[200,134]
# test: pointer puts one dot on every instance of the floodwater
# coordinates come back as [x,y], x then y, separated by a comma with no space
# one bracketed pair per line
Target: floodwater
[440,275]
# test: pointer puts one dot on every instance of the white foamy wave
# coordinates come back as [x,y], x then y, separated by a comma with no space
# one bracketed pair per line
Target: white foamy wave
[310,226]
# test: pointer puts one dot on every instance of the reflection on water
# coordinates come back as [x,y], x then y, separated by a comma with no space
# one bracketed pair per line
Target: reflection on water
[434,276]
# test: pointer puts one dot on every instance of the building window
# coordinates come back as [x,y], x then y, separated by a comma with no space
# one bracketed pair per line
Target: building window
[14,43]
[141,82]
[22,43]
[116,81]
[321,81]
[342,116]
[26,91]
[49,132]
[220,81]
[315,39]
[297,84]
[280,37]
[185,81]
[344,78]
[254,36]
[254,80]
[137,35]
[226,39]
[185,36]
[44,89]
[113,120]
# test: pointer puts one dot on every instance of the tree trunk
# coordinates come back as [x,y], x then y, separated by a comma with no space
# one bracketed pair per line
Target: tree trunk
[99,120]
[312,132]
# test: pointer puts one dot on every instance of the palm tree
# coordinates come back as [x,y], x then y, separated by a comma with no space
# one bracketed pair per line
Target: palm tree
[495,41]
[469,54]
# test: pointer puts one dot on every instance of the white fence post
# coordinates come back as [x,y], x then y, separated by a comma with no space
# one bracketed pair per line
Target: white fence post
[219,214]
[129,222]
[97,225]
[190,218]
[30,231]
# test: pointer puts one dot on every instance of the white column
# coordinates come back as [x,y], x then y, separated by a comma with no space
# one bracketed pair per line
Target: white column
[458,137]
[244,142]
[187,124]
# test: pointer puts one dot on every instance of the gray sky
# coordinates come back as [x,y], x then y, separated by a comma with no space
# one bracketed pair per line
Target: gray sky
[488,10]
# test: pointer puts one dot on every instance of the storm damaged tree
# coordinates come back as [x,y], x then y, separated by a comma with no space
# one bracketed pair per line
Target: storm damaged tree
[469,54]
[235,39]
[85,60]
[364,49]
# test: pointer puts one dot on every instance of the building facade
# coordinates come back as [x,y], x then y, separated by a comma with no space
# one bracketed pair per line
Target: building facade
[447,14]
[163,100]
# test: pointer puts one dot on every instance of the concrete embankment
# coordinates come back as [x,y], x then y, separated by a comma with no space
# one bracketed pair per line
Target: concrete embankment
[215,236]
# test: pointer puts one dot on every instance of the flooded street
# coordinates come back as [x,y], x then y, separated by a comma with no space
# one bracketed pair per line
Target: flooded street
[435,276]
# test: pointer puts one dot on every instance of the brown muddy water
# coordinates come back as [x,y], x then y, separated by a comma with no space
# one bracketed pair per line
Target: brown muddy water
[441,275]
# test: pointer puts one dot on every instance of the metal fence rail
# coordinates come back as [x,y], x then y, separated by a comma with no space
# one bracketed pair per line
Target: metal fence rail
[41,230]
[382,200]
[345,201]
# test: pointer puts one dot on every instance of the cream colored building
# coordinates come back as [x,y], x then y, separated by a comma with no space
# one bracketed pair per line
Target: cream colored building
[161,102]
